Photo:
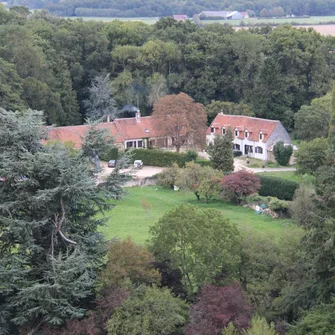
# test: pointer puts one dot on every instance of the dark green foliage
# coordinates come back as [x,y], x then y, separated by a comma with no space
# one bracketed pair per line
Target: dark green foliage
[319,321]
[311,155]
[221,153]
[111,153]
[282,153]
[162,158]
[237,153]
[204,162]
[277,187]
[50,249]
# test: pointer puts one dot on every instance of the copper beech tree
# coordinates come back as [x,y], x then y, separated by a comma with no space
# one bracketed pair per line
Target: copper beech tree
[181,119]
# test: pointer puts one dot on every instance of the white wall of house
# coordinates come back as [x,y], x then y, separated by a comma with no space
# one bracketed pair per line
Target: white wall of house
[258,148]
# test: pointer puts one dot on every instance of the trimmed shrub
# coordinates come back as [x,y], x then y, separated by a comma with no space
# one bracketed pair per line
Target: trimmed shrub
[277,187]
[204,162]
[161,158]
[282,153]
[237,153]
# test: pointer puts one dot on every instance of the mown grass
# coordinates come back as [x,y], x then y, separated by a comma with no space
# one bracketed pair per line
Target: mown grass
[290,175]
[129,218]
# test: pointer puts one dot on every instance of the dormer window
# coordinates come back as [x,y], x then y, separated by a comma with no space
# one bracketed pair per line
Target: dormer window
[223,131]
[261,136]
[236,132]
[212,129]
[246,134]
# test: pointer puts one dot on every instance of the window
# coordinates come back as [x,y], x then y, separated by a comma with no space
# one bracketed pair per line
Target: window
[129,144]
[236,147]
[248,149]
[212,129]
[261,136]
[258,150]
[246,134]
[236,132]
[140,144]
[223,131]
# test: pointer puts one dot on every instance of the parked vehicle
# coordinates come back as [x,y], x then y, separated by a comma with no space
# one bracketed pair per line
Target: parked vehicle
[138,164]
[111,163]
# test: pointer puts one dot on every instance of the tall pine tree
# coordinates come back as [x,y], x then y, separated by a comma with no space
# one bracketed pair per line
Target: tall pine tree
[50,250]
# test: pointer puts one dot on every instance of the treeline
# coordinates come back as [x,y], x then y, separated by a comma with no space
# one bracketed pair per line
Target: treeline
[133,8]
[49,63]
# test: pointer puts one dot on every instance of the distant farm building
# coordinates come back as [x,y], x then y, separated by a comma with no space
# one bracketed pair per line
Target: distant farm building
[180,17]
[223,15]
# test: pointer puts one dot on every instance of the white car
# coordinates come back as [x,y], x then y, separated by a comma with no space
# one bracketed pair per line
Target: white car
[138,164]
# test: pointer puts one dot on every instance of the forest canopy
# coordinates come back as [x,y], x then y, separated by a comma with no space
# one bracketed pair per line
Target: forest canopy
[50,64]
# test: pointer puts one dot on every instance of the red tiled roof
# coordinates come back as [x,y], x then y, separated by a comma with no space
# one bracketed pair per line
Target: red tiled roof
[121,130]
[252,124]
[75,133]
[130,128]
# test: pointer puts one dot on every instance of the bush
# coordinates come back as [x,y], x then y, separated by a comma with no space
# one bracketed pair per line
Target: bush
[204,162]
[237,153]
[279,206]
[168,176]
[282,153]
[238,185]
[160,158]
[277,187]
[191,155]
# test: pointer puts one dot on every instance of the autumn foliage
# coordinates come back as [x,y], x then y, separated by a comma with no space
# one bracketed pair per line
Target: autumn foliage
[216,308]
[238,185]
[181,119]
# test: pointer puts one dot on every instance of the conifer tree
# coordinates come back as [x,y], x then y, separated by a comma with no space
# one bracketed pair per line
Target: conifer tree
[221,153]
[50,250]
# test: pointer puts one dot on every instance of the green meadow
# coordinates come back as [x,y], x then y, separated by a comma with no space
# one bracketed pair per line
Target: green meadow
[129,218]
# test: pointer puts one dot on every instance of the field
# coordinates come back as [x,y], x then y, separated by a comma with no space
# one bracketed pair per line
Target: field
[128,218]
[313,20]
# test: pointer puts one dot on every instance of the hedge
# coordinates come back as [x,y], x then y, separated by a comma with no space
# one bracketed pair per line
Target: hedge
[277,187]
[237,153]
[161,158]
[204,162]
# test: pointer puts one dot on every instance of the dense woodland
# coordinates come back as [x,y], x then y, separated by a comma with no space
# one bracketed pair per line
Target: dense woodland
[49,64]
[199,273]
[144,8]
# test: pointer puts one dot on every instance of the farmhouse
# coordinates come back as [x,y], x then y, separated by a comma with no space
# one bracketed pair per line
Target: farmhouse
[136,132]
[181,18]
[252,136]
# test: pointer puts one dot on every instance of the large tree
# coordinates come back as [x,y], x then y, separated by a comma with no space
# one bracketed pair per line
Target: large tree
[101,102]
[181,119]
[188,237]
[50,249]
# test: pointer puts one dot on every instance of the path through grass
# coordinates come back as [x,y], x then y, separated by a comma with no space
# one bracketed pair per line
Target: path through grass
[128,218]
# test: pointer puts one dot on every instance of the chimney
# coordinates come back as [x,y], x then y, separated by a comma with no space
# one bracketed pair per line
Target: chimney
[138,116]
[108,118]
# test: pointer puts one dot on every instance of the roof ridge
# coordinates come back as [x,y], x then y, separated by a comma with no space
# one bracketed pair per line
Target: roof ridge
[249,117]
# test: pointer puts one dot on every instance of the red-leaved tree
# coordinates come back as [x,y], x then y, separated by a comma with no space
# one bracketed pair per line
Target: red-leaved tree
[216,308]
[181,119]
[238,185]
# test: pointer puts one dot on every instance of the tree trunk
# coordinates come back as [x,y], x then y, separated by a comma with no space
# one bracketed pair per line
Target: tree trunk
[197,195]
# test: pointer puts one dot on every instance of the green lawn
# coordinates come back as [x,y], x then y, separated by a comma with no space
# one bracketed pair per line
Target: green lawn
[128,218]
